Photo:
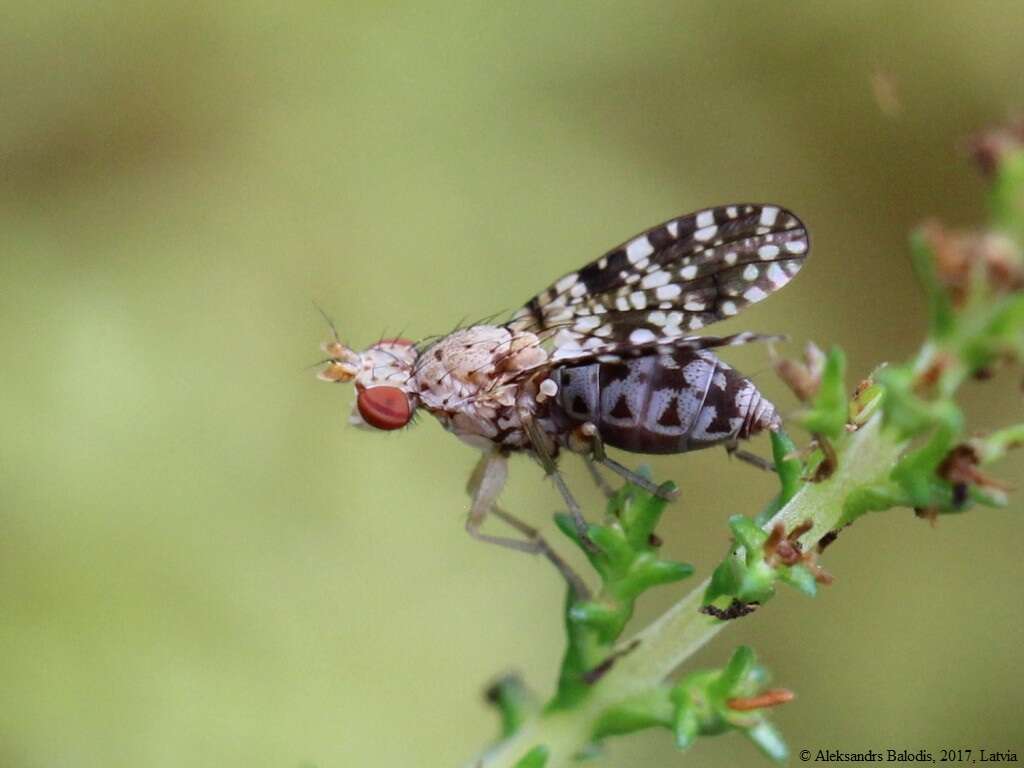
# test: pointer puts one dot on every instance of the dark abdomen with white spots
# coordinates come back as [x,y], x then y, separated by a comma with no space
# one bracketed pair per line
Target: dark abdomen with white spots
[668,403]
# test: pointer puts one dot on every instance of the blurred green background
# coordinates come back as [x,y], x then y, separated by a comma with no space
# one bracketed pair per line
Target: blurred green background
[200,564]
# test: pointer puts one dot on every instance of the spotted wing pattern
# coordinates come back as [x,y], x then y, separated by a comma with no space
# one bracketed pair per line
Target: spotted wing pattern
[669,281]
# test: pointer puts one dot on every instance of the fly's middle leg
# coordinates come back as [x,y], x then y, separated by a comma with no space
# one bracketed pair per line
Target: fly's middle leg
[539,444]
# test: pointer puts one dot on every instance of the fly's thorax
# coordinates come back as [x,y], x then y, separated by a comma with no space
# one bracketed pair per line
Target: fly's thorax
[477,380]
[477,366]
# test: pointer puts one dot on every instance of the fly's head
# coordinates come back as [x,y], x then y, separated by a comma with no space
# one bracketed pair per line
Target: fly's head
[386,397]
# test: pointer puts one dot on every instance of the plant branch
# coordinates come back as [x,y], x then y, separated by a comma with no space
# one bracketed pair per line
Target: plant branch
[682,630]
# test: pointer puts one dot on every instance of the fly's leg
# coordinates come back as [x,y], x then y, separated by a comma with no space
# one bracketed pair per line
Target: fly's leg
[637,479]
[601,483]
[485,484]
[753,459]
[543,548]
[540,450]
[592,439]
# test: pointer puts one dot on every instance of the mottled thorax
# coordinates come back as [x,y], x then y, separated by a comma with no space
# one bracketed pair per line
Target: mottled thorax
[475,381]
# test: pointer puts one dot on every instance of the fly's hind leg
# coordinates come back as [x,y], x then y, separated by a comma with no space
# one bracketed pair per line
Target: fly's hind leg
[733,449]
[485,484]
[597,449]
[637,479]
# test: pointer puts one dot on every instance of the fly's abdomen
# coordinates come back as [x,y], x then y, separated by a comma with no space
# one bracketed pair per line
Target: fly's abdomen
[663,403]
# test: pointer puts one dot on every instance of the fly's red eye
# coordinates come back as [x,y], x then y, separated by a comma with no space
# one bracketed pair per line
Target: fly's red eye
[384,407]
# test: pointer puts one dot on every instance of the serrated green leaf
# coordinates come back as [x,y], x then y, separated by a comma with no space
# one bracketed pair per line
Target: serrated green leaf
[647,710]
[665,572]
[615,550]
[513,701]
[739,666]
[685,726]
[787,464]
[567,526]
[725,580]
[600,616]
[643,518]
[830,408]
[800,577]
[767,739]
[535,758]
[1006,198]
[941,318]
[995,446]
[748,534]
[915,471]
[872,498]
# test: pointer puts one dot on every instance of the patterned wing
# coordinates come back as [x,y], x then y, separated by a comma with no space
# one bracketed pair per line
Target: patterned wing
[669,281]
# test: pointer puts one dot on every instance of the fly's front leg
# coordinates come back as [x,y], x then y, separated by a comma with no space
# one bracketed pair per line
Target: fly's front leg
[484,486]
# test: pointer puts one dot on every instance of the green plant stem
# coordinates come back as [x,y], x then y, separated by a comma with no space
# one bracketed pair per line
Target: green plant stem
[867,458]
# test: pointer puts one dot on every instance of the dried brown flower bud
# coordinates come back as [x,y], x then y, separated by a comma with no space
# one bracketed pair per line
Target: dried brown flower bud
[962,257]
[803,377]
[988,148]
